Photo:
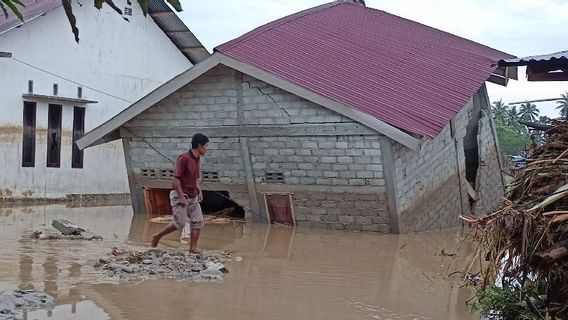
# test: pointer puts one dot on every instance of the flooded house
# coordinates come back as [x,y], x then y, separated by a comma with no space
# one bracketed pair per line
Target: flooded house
[339,116]
[53,89]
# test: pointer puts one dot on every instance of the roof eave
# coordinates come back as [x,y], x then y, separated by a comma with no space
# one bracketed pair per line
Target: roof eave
[176,30]
[102,131]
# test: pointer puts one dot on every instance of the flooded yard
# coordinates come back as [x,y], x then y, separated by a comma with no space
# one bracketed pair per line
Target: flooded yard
[280,273]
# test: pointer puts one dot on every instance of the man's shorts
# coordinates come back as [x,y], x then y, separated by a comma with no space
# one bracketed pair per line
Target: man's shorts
[182,213]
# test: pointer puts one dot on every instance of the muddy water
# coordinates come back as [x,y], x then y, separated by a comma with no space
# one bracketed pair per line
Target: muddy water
[285,273]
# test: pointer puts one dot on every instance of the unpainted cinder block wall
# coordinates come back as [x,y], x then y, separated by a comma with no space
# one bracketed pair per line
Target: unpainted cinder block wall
[430,183]
[332,165]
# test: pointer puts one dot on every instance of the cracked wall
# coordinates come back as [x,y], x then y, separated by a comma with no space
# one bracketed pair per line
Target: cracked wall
[331,164]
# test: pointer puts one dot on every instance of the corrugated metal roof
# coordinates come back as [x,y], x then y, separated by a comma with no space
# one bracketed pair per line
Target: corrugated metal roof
[562,55]
[409,75]
[32,10]
[177,31]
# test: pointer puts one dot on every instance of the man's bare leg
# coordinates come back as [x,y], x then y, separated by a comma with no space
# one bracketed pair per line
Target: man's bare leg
[168,229]
[194,238]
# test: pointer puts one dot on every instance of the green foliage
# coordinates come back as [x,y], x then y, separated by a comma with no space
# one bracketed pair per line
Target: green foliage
[511,140]
[528,112]
[544,119]
[513,137]
[11,4]
[500,112]
[499,303]
[563,105]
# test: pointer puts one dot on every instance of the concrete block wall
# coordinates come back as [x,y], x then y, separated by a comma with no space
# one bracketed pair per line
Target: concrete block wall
[430,183]
[342,211]
[209,100]
[332,165]
[489,184]
[224,156]
[265,104]
[319,160]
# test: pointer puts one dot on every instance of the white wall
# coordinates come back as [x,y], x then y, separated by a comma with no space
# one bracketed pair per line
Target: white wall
[123,59]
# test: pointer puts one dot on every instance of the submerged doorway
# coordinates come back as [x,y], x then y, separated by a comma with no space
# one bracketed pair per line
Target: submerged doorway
[279,208]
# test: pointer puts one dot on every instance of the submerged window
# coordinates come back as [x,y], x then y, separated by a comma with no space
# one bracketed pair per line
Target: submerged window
[28,141]
[78,131]
[54,136]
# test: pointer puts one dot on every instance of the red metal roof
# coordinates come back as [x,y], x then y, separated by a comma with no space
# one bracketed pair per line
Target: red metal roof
[406,74]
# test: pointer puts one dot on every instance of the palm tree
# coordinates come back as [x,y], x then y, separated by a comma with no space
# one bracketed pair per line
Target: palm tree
[563,105]
[528,112]
[544,119]
[500,111]
[513,116]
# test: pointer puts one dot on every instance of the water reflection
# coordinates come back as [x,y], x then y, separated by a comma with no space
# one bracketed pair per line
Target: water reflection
[296,273]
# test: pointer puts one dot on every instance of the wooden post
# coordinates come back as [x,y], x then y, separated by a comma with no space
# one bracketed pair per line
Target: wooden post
[136,193]
[389,170]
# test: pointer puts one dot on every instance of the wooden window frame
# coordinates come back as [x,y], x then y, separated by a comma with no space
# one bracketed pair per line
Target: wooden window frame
[77,156]
[29,134]
[54,121]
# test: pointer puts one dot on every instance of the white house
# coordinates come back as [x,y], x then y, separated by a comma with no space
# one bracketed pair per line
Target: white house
[53,89]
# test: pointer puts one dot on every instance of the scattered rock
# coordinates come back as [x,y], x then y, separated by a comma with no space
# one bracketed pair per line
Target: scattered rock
[165,264]
[67,227]
[14,303]
[115,266]
[36,235]
[212,274]
[68,231]
[128,269]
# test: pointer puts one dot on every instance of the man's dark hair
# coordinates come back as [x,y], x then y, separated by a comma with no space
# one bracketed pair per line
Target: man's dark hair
[199,139]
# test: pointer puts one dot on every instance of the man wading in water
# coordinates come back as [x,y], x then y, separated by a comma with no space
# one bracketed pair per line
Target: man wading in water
[185,183]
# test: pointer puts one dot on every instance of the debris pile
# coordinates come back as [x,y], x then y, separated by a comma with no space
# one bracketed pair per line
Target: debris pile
[208,219]
[67,231]
[163,264]
[526,241]
[14,303]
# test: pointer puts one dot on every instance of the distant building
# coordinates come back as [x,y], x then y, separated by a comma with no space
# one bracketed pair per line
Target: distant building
[546,67]
[53,89]
[340,116]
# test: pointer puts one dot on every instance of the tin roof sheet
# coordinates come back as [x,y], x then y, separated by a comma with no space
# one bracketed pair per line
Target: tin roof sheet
[404,73]
[562,55]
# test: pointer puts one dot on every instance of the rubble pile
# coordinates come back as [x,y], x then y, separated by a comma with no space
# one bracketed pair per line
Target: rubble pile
[163,264]
[14,303]
[526,241]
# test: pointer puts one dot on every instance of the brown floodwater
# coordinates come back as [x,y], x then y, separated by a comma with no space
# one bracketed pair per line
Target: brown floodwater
[285,273]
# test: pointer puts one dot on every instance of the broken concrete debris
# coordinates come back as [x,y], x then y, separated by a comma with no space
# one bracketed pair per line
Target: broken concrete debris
[163,264]
[13,303]
[68,231]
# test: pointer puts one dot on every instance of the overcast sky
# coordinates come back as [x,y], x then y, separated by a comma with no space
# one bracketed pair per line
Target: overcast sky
[518,27]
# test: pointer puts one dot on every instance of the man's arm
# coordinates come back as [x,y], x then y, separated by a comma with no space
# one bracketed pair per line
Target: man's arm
[200,193]
[178,170]
[177,187]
